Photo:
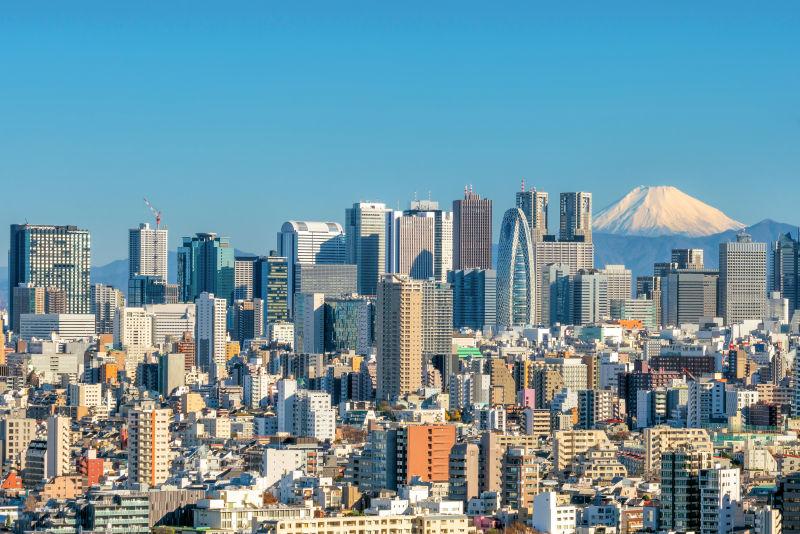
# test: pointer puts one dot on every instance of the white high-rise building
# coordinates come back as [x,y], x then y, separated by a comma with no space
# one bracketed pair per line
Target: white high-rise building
[720,499]
[368,226]
[210,334]
[442,252]
[243,268]
[171,320]
[307,243]
[147,252]
[133,327]
[742,280]
[148,445]
[284,404]
[58,445]
[309,323]
[619,282]
[313,416]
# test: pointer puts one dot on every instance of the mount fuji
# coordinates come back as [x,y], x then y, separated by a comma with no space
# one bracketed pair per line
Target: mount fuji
[662,210]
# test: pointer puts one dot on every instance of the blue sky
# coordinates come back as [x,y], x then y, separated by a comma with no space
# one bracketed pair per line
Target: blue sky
[235,116]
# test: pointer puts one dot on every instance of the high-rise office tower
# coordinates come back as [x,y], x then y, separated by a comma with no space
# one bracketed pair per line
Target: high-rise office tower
[271,285]
[205,265]
[589,290]
[243,277]
[148,445]
[472,232]
[105,302]
[309,243]
[31,299]
[576,255]
[341,279]
[367,243]
[171,372]
[474,298]
[786,270]
[619,282]
[576,217]
[58,445]
[534,204]
[413,247]
[437,319]
[147,251]
[398,333]
[146,289]
[516,286]
[309,323]
[247,318]
[442,238]
[349,324]
[688,258]
[210,334]
[51,257]
[556,296]
[686,295]
[742,279]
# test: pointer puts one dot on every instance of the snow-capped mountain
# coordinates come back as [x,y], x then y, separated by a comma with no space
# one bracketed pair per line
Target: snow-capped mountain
[662,210]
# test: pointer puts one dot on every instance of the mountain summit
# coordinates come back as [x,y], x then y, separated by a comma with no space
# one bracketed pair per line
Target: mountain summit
[662,210]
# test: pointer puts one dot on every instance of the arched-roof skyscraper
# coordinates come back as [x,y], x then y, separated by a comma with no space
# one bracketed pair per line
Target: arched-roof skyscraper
[515,277]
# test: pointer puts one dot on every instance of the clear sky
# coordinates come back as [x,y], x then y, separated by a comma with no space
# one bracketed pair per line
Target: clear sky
[235,116]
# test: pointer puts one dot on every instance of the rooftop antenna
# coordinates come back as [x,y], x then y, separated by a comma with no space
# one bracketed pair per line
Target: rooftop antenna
[523,185]
[156,213]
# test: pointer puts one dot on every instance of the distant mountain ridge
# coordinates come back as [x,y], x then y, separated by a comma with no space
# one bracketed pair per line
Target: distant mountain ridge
[662,211]
[638,253]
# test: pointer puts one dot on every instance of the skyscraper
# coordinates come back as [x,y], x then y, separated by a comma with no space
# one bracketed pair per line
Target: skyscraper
[516,287]
[105,301]
[619,282]
[442,238]
[398,333]
[472,232]
[686,295]
[414,245]
[688,258]
[474,298]
[786,270]
[243,277]
[205,264]
[589,290]
[367,243]
[576,255]
[210,334]
[310,243]
[576,217]
[437,319]
[309,323]
[271,285]
[534,204]
[147,251]
[742,279]
[51,257]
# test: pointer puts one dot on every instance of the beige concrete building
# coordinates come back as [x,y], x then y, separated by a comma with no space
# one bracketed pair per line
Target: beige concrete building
[426,524]
[398,332]
[148,445]
[16,433]
[59,438]
[659,439]
[568,444]
[493,447]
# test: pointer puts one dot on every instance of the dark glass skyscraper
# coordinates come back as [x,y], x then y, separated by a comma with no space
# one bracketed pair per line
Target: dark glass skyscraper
[205,264]
[271,285]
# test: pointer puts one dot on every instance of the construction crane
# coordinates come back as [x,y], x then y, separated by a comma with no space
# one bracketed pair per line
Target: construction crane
[156,213]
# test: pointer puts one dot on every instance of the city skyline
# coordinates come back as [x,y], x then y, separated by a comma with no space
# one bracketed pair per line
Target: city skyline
[350,105]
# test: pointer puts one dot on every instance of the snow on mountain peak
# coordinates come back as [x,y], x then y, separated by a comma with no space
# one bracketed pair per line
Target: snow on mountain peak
[662,210]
